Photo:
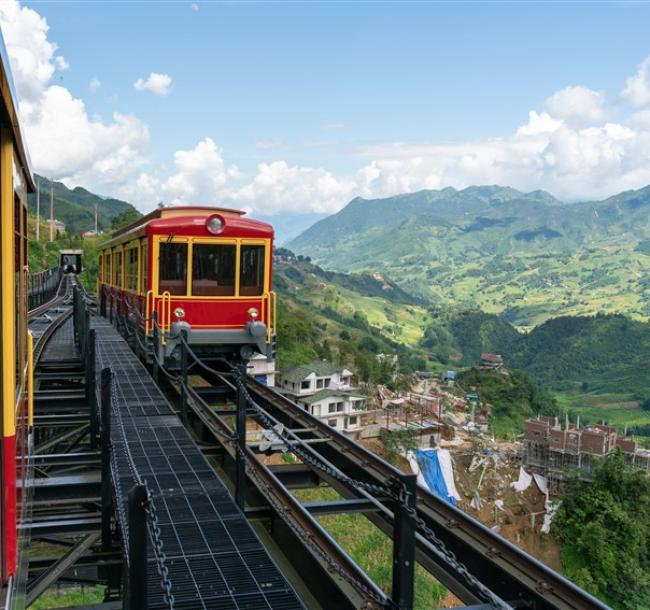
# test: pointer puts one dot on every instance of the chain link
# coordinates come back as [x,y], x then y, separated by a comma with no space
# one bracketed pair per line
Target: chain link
[375,600]
[149,505]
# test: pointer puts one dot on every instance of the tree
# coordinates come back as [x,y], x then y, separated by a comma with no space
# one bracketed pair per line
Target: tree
[125,218]
[604,528]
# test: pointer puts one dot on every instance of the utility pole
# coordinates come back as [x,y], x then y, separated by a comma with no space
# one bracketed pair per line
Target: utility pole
[38,209]
[51,212]
[96,212]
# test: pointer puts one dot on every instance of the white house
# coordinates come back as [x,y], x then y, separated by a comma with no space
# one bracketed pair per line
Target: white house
[339,408]
[263,369]
[318,375]
[327,392]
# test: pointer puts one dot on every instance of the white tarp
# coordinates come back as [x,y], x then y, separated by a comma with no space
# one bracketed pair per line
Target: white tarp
[542,483]
[415,467]
[447,467]
[524,481]
[551,509]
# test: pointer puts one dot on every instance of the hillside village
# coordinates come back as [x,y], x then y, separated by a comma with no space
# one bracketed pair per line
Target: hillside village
[441,430]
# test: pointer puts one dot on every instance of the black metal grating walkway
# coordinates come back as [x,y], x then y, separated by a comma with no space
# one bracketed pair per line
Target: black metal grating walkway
[214,557]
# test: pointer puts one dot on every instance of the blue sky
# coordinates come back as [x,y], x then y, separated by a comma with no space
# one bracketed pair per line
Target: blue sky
[335,89]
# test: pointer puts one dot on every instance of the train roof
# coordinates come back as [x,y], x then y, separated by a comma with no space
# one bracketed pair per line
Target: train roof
[9,116]
[190,217]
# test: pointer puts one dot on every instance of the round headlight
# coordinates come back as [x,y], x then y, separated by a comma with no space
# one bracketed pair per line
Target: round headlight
[214,225]
[253,313]
[179,312]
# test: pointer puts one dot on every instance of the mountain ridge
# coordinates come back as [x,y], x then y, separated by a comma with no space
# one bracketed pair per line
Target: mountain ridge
[496,247]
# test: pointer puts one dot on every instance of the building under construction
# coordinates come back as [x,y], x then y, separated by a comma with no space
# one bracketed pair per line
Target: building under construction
[557,451]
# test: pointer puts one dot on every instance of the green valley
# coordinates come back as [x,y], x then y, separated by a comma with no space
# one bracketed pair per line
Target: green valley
[526,256]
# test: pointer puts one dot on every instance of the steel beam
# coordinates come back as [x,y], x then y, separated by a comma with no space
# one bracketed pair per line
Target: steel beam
[47,579]
[67,488]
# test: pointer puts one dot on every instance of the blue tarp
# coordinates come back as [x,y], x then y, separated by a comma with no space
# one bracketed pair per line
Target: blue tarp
[430,468]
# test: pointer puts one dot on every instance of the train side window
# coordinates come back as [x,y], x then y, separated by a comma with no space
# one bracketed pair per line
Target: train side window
[132,269]
[108,269]
[172,269]
[100,268]
[251,271]
[117,280]
[145,267]
[213,270]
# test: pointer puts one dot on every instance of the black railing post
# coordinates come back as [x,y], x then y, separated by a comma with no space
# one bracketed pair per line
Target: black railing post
[240,462]
[75,314]
[91,395]
[404,544]
[184,377]
[102,302]
[156,345]
[107,498]
[136,586]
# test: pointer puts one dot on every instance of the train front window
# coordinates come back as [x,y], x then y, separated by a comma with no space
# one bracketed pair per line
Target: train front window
[251,271]
[213,270]
[172,265]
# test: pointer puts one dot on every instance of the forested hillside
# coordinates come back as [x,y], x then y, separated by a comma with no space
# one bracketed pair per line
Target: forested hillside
[76,207]
[527,256]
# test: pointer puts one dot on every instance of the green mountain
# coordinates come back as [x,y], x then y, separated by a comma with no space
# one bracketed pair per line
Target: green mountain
[527,256]
[76,207]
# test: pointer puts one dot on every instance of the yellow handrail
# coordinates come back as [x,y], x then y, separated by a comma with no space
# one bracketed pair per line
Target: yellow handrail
[30,378]
[165,315]
[270,299]
[148,308]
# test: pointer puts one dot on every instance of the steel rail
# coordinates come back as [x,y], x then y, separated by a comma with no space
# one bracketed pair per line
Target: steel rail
[262,477]
[54,301]
[512,572]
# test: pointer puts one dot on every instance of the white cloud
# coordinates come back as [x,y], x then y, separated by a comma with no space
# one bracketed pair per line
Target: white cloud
[64,142]
[94,84]
[200,175]
[566,147]
[637,88]
[577,104]
[277,187]
[158,84]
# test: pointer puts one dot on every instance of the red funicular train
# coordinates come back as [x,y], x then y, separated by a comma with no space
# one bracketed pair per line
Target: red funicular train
[203,270]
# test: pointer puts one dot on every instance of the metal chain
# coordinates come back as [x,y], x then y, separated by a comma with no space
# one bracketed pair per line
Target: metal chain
[148,506]
[449,557]
[332,566]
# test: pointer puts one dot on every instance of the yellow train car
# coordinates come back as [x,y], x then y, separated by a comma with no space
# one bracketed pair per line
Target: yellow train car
[15,182]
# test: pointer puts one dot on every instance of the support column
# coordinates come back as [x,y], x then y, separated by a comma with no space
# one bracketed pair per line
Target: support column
[91,393]
[240,462]
[136,585]
[184,377]
[107,496]
[404,545]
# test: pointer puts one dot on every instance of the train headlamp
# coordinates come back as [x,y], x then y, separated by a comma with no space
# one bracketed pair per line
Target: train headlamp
[253,313]
[179,312]
[214,225]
